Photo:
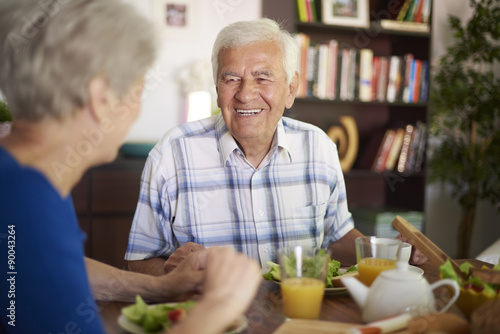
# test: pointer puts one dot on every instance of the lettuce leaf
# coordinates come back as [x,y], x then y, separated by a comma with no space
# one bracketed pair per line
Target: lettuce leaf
[274,273]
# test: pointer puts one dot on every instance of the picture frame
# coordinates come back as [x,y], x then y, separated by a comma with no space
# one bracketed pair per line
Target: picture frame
[176,19]
[352,13]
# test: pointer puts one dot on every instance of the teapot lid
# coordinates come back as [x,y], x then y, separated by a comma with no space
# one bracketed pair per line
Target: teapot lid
[402,272]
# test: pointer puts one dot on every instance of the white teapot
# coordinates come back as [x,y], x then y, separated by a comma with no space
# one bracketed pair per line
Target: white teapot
[397,291]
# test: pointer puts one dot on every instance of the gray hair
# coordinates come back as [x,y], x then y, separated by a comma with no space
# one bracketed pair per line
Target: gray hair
[50,50]
[245,32]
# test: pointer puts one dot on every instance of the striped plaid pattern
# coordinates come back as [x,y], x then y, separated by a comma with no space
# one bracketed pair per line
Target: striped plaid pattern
[197,186]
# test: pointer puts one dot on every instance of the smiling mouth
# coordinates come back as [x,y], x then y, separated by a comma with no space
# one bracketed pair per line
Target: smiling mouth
[248,112]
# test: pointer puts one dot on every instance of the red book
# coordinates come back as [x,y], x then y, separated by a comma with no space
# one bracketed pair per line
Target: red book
[383,152]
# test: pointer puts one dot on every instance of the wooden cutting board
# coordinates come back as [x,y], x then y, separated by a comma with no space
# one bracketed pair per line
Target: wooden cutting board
[301,326]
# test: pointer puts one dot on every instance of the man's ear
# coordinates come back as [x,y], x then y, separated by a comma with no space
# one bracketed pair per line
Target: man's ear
[292,90]
[99,102]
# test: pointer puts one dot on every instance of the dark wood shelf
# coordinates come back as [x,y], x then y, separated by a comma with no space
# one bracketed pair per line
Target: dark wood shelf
[364,187]
[373,29]
[371,103]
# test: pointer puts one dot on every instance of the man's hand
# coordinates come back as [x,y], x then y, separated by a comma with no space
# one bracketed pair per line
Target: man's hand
[417,257]
[179,255]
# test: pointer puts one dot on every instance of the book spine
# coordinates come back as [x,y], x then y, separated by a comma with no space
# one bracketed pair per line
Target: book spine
[403,10]
[365,75]
[383,79]
[416,85]
[395,149]
[405,149]
[391,86]
[380,160]
[333,69]
[301,10]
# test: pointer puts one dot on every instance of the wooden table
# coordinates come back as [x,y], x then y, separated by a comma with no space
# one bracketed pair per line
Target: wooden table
[265,314]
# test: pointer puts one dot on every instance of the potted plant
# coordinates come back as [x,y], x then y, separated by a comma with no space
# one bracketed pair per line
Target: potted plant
[465,115]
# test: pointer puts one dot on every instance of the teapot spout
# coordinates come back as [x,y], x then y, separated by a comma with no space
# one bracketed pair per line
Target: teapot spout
[358,290]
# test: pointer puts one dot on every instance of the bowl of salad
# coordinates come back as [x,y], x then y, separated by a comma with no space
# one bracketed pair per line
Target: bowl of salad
[482,285]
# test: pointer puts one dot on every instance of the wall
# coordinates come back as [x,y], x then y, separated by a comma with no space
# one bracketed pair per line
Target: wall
[442,212]
[163,102]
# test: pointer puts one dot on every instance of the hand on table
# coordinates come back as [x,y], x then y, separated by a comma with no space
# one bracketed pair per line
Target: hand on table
[231,280]
[417,257]
[179,255]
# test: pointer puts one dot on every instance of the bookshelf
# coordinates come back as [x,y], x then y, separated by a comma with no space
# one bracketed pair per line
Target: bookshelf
[365,188]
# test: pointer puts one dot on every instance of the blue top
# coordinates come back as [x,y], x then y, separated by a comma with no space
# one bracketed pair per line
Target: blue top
[43,280]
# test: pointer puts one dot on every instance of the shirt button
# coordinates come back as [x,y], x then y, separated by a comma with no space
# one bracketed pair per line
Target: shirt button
[261,213]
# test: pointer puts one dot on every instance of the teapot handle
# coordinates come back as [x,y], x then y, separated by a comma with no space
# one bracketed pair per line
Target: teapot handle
[455,288]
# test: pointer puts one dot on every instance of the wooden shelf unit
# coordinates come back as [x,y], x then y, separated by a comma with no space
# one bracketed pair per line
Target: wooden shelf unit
[364,188]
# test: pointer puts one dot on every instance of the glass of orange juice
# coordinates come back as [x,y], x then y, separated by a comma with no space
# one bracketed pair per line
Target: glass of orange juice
[303,274]
[375,255]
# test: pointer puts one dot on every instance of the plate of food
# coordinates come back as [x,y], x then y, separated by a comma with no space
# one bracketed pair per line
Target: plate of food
[333,283]
[141,318]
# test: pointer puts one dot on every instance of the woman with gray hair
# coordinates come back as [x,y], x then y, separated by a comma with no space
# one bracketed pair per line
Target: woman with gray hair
[73,74]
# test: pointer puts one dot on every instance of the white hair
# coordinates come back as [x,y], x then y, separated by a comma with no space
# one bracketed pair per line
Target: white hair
[261,30]
[50,50]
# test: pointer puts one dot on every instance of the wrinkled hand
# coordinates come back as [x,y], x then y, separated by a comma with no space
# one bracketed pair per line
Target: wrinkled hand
[186,279]
[231,280]
[417,257]
[179,255]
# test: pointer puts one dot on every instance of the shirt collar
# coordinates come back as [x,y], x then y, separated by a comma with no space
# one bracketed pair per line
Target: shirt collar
[227,144]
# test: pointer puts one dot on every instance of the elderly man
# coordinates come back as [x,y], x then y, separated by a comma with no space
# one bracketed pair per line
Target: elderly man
[248,177]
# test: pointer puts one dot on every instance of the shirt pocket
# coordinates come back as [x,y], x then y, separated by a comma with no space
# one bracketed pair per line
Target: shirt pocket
[307,225]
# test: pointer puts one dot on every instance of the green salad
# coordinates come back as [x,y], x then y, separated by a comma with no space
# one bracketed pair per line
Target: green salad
[473,283]
[156,318]
[313,266]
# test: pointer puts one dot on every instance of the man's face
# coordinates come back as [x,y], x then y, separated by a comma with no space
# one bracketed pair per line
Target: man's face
[252,91]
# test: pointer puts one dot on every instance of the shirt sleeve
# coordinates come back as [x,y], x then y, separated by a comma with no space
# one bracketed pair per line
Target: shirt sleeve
[151,231]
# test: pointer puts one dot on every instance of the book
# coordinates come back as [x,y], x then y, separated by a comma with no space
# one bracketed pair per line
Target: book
[322,72]
[383,151]
[405,148]
[426,11]
[419,160]
[312,69]
[333,47]
[383,79]
[405,26]
[375,76]
[344,76]
[403,10]
[414,147]
[302,10]
[424,84]
[394,79]
[365,75]
[353,72]
[395,149]
[416,84]
[405,93]
[410,15]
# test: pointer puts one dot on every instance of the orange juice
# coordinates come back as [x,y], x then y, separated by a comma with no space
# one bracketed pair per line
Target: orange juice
[370,268]
[302,297]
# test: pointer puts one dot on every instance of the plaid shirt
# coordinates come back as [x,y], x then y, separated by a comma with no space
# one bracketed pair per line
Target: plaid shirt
[198,186]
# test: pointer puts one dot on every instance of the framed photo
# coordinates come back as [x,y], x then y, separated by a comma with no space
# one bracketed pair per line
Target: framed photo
[354,13]
[176,19]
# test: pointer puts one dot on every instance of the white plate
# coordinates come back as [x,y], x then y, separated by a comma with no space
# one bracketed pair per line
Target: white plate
[240,324]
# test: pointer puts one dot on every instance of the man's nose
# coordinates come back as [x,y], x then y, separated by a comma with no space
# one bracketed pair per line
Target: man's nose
[247,91]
